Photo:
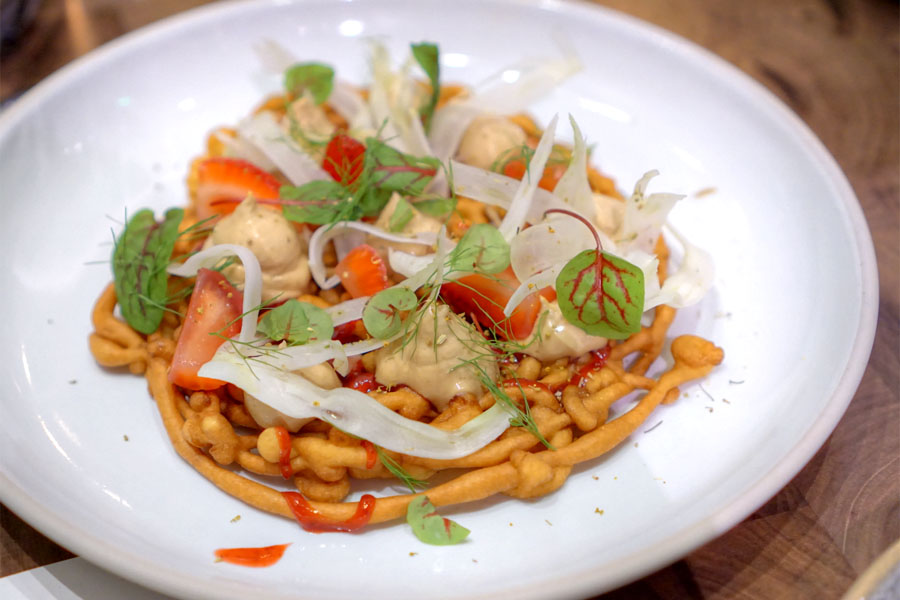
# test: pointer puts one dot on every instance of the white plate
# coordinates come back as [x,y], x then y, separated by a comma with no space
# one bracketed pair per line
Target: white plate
[793,305]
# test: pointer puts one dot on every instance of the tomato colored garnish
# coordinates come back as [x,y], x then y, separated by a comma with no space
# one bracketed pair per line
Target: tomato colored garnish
[371,454]
[549,178]
[223,183]
[363,272]
[362,382]
[346,332]
[485,296]
[313,521]
[284,454]
[344,157]
[214,304]
[595,364]
[252,557]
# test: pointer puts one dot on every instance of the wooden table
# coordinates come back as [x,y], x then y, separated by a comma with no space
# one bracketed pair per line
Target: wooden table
[835,63]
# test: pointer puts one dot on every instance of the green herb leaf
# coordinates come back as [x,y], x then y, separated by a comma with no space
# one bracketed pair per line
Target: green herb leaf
[297,323]
[141,255]
[601,294]
[402,215]
[318,202]
[522,417]
[430,527]
[382,317]
[426,54]
[385,170]
[372,201]
[315,77]
[393,170]
[481,249]
[399,472]
[438,207]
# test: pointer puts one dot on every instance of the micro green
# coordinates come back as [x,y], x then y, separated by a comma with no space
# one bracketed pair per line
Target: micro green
[599,292]
[140,257]
[296,323]
[383,314]
[430,527]
[316,78]
[402,215]
[428,57]
[399,472]
[482,249]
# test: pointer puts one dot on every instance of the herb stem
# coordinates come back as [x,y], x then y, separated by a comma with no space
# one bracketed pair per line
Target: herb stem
[575,215]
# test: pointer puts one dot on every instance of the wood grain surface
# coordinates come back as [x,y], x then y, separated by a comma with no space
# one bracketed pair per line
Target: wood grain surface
[836,63]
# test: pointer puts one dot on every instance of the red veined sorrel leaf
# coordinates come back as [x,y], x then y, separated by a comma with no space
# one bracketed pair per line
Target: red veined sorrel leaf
[601,294]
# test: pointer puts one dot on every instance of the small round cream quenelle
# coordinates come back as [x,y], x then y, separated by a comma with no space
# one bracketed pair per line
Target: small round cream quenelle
[487,139]
[280,250]
[438,361]
[554,337]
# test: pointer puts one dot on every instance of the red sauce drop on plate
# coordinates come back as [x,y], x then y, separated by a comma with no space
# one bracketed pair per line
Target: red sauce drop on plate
[252,557]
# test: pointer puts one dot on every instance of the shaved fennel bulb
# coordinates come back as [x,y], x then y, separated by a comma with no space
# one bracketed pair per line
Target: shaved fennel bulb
[573,188]
[517,212]
[263,131]
[355,412]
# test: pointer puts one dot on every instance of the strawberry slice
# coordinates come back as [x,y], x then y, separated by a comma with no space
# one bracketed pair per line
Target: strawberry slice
[344,158]
[223,183]
[485,296]
[215,307]
[550,177]
[363,272]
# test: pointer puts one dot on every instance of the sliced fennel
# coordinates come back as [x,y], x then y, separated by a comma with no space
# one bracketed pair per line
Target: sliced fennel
[289,358]
[347,102]
[351,310]
[520,204]
[690,282]
[498,190]
[407,264]
[394,99]
[263,131]
[645,215]
[535,283]
[509,91]
[238,147]
[354,412]
[573,188]
[553,240]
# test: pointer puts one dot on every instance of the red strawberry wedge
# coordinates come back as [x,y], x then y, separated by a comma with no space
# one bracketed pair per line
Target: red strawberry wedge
[223,183]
